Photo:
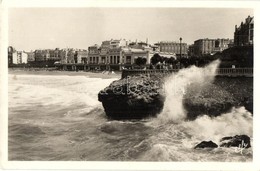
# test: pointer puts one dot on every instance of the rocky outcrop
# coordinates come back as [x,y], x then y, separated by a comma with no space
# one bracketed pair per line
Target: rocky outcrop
[240,88]
[142,96]
[206,144]
[218,97]
[133,97]
[211,100]
[241,141]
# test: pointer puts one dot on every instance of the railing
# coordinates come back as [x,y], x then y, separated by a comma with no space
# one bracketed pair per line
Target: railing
[235,71]
[231,72]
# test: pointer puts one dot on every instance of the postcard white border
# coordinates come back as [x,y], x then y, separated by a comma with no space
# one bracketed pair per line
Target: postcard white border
[124,165]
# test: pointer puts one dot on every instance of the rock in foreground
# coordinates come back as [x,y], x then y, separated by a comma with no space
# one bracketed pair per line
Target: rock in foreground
[206,144]
[241,141]
[134,97]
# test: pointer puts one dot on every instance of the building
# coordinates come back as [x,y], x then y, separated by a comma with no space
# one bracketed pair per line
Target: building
[56,54]
[204,46]
[71,56]
[63,56]
[115,55]
[155,48]
[138,45]
[191,50]
[104,50]
[244,34]
[180,49]
[10,54]
[108,53]
[207,46]
[31,56]
[53,54]
[82,56]
[129,55]
[93,54]
[41,55]
[118,43]
[20,57]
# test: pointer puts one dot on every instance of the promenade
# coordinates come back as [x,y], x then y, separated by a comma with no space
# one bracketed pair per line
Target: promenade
[229,72]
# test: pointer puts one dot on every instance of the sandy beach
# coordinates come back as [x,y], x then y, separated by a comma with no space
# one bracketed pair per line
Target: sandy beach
[26,71]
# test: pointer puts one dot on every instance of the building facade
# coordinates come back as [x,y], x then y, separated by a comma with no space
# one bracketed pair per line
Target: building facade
[41,55]
[31,56]
[53,55]
[82,56]
[115,55]
[10,54]
[63,56]
[207,46]
[244,34]
[71,56]
[118,43]
[104,50]
[93,54]
[129,55]
[180,49]
[20,57]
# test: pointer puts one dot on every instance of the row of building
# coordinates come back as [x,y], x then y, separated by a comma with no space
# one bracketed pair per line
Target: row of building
[243,36]
[68,55]
[115,52]
[126,52]
[109,52]
[207,46]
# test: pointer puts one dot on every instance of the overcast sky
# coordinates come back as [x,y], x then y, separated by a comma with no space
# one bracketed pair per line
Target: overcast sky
[34,28]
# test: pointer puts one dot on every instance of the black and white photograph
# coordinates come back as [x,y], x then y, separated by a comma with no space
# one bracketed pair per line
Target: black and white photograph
[130,84]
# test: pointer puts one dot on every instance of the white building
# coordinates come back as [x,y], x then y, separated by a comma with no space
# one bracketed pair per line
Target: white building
[129,55]
[118,43]
[20,57]
[82,56]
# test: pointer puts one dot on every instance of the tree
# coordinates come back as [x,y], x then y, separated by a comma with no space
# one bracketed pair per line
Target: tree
[140,61]
[156,58]
[171,60]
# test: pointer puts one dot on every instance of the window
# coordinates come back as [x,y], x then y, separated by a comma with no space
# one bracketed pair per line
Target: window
[111,59]
[118,60]
[128,59]
[217,43]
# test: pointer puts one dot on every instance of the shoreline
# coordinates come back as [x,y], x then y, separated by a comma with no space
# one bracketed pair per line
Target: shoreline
[36,71]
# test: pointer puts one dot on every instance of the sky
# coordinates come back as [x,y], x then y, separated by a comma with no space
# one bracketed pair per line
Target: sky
[40,28]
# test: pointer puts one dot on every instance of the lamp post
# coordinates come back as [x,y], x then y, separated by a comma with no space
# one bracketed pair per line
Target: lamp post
[180,47]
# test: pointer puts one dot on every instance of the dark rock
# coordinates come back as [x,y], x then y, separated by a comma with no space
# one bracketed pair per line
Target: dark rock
[206,144]
[219,96]
[211,100]
[241,88]
[241,141]
[133,97]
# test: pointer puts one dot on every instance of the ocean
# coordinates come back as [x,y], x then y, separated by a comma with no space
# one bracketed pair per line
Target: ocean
[59,118]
